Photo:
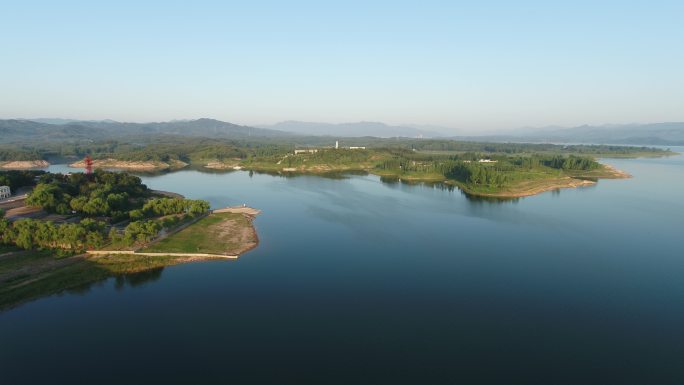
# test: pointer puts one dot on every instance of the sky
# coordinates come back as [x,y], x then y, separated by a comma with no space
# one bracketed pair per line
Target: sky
[474,66]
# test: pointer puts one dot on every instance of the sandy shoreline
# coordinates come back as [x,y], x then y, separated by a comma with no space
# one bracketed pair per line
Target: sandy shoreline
[218,165]
[616,174]
[567,183]
[131,165]
[24,164]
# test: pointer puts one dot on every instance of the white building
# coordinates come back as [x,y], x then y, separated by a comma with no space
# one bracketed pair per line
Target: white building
[5,192]
[307,151]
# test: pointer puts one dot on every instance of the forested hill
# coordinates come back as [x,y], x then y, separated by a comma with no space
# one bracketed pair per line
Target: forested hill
[14,130]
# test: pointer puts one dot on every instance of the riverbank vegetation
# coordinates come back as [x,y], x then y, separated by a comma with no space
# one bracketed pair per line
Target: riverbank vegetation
[104,211]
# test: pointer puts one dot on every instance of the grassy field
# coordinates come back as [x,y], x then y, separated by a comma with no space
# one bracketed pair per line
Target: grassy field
[224,233]
[16,259]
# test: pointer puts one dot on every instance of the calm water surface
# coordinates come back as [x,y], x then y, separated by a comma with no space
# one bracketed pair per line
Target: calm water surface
[359,281]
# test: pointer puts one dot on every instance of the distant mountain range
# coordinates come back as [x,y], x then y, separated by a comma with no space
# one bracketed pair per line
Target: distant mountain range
[59,121]
[23,130]
[665,134]
[17,130]
[358,129]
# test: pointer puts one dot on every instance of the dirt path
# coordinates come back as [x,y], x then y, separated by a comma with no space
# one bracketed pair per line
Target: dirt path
[191,255]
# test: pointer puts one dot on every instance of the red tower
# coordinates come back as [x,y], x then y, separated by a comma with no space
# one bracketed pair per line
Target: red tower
[88,164]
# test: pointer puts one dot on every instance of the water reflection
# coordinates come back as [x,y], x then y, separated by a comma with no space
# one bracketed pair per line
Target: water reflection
[478,199]
[138,279]
[397,182]
[403,275]
[48,286]
[334,175]
[82,289]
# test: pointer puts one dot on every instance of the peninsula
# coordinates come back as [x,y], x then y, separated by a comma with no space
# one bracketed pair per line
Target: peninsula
[76,229]
[133,165]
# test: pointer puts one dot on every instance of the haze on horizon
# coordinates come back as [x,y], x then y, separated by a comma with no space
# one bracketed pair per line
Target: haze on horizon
[466,66]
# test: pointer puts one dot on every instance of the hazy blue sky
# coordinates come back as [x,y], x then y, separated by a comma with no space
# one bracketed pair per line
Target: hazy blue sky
[476,65]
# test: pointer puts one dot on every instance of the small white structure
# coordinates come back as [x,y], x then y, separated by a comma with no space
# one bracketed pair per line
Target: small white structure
[5,192]
[337,144]
[307,151]
[482,161]
[357,148]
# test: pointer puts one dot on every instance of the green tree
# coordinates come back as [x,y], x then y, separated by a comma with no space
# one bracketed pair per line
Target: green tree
[50,197]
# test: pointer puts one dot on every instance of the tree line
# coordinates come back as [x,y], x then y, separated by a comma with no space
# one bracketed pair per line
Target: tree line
[497,170]
[35,234]
[19,178]
[170,206]
[108,195]
[103,193]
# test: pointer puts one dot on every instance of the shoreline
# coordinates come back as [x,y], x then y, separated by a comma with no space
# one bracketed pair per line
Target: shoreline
[617,173]
[111,163]
[583,179]
[168,194]
[570,181]
[580,179]
[24,164]
[53,275]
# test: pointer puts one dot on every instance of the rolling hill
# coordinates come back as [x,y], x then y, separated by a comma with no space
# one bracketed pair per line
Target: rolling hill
[19,130]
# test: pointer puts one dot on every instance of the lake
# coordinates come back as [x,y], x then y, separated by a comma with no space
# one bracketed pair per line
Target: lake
[360,281]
